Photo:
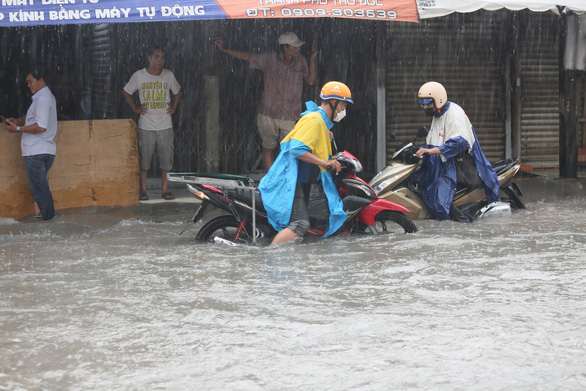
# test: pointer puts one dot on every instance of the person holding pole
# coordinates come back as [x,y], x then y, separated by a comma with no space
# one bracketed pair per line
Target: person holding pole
[284,73]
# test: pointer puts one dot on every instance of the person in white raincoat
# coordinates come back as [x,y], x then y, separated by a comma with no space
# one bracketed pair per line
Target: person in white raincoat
[452,158]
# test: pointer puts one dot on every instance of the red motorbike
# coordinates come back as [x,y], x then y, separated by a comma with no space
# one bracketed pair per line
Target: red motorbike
[234,194]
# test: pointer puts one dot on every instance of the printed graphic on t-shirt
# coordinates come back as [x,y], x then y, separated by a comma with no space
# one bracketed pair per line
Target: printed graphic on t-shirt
[154,94]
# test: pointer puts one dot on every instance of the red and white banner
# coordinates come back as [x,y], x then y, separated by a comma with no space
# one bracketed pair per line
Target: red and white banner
[389,10]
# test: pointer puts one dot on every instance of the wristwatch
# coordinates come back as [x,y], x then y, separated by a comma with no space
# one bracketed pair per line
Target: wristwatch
[18,129]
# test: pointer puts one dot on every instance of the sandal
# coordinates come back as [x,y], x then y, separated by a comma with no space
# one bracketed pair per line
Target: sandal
[143,197]
[168,196]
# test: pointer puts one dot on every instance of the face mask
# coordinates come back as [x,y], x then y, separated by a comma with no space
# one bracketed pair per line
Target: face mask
[431,111]
[339,116]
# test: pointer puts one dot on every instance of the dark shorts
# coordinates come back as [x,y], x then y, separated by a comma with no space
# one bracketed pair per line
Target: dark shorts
[299,221]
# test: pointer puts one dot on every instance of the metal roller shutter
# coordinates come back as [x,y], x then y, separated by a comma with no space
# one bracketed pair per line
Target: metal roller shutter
[103,56]
[539,71]
[461,51]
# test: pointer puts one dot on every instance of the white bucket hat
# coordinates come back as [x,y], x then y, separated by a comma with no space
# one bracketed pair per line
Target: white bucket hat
[290,38]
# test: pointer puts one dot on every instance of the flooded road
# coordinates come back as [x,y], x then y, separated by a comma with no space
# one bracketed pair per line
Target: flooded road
[114,299]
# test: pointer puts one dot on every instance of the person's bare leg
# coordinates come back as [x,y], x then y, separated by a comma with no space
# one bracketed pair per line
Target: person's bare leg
[269,160]
[164,181]
[37,209]
[143,178]
[284,236]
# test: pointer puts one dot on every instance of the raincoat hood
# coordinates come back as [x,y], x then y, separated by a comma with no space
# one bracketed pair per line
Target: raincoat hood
[313,107]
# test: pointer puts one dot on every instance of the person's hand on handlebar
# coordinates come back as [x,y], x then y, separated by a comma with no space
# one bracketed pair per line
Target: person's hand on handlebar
[330,164]
[427,151]
[334,165]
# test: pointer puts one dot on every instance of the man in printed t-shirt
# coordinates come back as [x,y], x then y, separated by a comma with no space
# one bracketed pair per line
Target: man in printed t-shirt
[159,94]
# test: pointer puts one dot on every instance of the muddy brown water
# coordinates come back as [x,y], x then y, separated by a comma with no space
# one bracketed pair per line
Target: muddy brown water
[115,299]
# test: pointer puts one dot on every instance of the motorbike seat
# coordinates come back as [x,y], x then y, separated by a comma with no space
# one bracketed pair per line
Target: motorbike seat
[503,165]
[245,195]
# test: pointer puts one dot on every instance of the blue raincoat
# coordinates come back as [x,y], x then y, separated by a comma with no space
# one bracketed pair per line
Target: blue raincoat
[453,133]
[277,188]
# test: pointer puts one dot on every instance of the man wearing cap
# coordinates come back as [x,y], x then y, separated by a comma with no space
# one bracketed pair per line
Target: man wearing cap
[284,73]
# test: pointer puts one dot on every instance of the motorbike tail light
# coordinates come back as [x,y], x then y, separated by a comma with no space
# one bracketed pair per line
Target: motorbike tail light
[196,192]
[213,189]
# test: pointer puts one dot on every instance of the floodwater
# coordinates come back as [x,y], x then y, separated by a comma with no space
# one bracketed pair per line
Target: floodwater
[115,299]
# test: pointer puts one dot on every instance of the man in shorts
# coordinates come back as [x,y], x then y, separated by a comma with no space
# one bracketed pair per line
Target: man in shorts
[305,152]
[284,72]
[159,94]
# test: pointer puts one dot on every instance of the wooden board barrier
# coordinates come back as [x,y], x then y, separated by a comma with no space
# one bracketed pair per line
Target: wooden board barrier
[96,165]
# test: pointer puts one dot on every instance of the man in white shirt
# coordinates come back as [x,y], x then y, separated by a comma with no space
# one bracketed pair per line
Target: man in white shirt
[38,128]
[155,126]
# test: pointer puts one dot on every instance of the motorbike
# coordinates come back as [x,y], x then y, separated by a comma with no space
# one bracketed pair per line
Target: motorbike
[244,219]
[394,183]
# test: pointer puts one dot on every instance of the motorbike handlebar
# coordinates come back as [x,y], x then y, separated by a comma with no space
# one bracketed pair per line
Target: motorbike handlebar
[414,153]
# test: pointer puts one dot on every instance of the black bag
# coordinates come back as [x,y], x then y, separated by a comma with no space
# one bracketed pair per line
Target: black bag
[466,173]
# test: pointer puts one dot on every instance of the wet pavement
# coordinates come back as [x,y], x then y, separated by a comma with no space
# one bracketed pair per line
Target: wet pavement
[114,298]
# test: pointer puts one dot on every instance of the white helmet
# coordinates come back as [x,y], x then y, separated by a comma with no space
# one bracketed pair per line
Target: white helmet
[435,91]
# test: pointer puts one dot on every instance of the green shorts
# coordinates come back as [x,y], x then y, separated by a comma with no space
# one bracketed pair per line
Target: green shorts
[273,130]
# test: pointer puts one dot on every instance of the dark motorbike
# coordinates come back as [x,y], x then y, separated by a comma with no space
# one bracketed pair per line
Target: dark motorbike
[366,212]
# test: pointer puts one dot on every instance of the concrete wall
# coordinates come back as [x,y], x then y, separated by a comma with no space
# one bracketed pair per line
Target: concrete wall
[96,165]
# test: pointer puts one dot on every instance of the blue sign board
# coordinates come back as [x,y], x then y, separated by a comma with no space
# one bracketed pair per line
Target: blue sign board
[14,13]
[55,12]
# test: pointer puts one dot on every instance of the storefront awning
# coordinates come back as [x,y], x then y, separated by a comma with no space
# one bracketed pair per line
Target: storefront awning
[437,8]
[15,13]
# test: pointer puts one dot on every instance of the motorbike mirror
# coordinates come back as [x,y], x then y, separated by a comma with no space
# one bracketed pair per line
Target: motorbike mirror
[393,135]
[422,132]
[333,141]
[402,148]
